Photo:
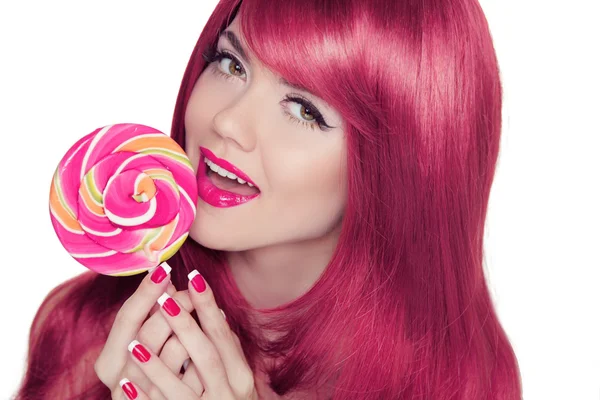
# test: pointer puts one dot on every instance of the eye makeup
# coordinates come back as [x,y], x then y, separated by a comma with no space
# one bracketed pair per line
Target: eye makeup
[215,56]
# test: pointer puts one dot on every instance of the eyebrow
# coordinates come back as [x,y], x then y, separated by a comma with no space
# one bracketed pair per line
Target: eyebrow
[237,45]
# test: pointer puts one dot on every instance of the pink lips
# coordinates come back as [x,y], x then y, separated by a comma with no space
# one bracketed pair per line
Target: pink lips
[213,195]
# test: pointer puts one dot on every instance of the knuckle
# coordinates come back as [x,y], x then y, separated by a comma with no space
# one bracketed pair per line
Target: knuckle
[154,332]
[174,347]
[171,344]
[150,336]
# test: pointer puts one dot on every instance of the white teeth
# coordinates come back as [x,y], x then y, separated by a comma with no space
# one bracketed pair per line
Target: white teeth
[224,173]
[213,166]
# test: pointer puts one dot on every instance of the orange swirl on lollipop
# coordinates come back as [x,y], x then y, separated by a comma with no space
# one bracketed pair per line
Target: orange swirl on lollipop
[123,198]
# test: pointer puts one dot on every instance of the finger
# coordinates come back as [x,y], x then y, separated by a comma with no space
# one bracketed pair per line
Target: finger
[155,333]
[129,390]
[133,372]
[160,375]
[215,327]
[154,340]
[173,354]
[127,322]
[171,290]
[201,350]
[156,330]
[191,377]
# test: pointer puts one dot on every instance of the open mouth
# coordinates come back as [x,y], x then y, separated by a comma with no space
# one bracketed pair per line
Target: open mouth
[222,184]
[226,180]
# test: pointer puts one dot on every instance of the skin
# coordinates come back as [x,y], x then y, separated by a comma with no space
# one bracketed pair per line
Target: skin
[277,245]
[218,369]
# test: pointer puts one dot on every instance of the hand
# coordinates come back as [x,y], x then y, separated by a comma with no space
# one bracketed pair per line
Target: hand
[215,351]
[114,361]
[154,332]
[218,368]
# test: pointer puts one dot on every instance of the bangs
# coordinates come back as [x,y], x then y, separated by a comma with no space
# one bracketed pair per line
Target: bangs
[352,56]
[309,43]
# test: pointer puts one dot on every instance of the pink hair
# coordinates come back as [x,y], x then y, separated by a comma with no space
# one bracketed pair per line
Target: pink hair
[403,310]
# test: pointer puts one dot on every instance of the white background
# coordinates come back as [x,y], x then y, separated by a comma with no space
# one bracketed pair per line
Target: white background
[67,68]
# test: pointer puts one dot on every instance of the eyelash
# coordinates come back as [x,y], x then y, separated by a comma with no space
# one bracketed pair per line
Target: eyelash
[219,55]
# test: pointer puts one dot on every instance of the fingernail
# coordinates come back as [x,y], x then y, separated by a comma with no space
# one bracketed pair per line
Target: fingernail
[160,273]
[223,312]
[128,388]
[197,281]
[139,351]
[169,304]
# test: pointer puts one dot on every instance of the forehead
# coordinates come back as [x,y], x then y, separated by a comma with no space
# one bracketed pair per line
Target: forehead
[235,24]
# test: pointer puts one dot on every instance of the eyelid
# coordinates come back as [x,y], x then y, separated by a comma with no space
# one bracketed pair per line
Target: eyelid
[302,100]
[240,60]
[215,57]
[289,98]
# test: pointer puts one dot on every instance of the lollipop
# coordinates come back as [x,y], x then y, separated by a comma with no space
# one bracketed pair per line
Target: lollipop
[123,198]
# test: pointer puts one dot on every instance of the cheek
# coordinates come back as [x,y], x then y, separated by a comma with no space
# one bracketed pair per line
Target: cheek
[309,186]
[197,119]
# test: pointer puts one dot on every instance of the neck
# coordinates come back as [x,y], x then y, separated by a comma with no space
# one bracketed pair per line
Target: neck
[271,276]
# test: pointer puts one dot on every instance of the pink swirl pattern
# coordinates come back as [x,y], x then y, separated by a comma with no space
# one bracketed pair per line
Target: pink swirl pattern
[123,198]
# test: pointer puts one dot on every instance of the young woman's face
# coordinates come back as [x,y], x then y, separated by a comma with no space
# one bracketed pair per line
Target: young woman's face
[238,116]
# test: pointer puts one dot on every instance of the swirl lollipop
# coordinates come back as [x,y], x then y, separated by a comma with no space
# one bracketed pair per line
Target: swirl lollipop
[123,199]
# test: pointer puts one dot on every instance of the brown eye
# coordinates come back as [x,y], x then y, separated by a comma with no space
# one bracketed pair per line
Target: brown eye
[300,109]
[306,114]
[235,67]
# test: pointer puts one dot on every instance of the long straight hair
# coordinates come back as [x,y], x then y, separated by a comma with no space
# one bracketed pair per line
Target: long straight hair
[402,310]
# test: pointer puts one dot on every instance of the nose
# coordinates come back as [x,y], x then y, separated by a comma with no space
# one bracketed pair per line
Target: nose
[235,122]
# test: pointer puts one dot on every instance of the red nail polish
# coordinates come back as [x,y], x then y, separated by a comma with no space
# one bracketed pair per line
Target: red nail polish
[169,305]
[160,273]
[139,351]
[197,281]
[129,389]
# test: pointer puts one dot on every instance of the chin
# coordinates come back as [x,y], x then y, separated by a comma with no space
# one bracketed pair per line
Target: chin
[213,230]
[214,240]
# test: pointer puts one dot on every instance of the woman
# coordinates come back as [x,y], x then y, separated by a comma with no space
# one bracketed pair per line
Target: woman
[347,258]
